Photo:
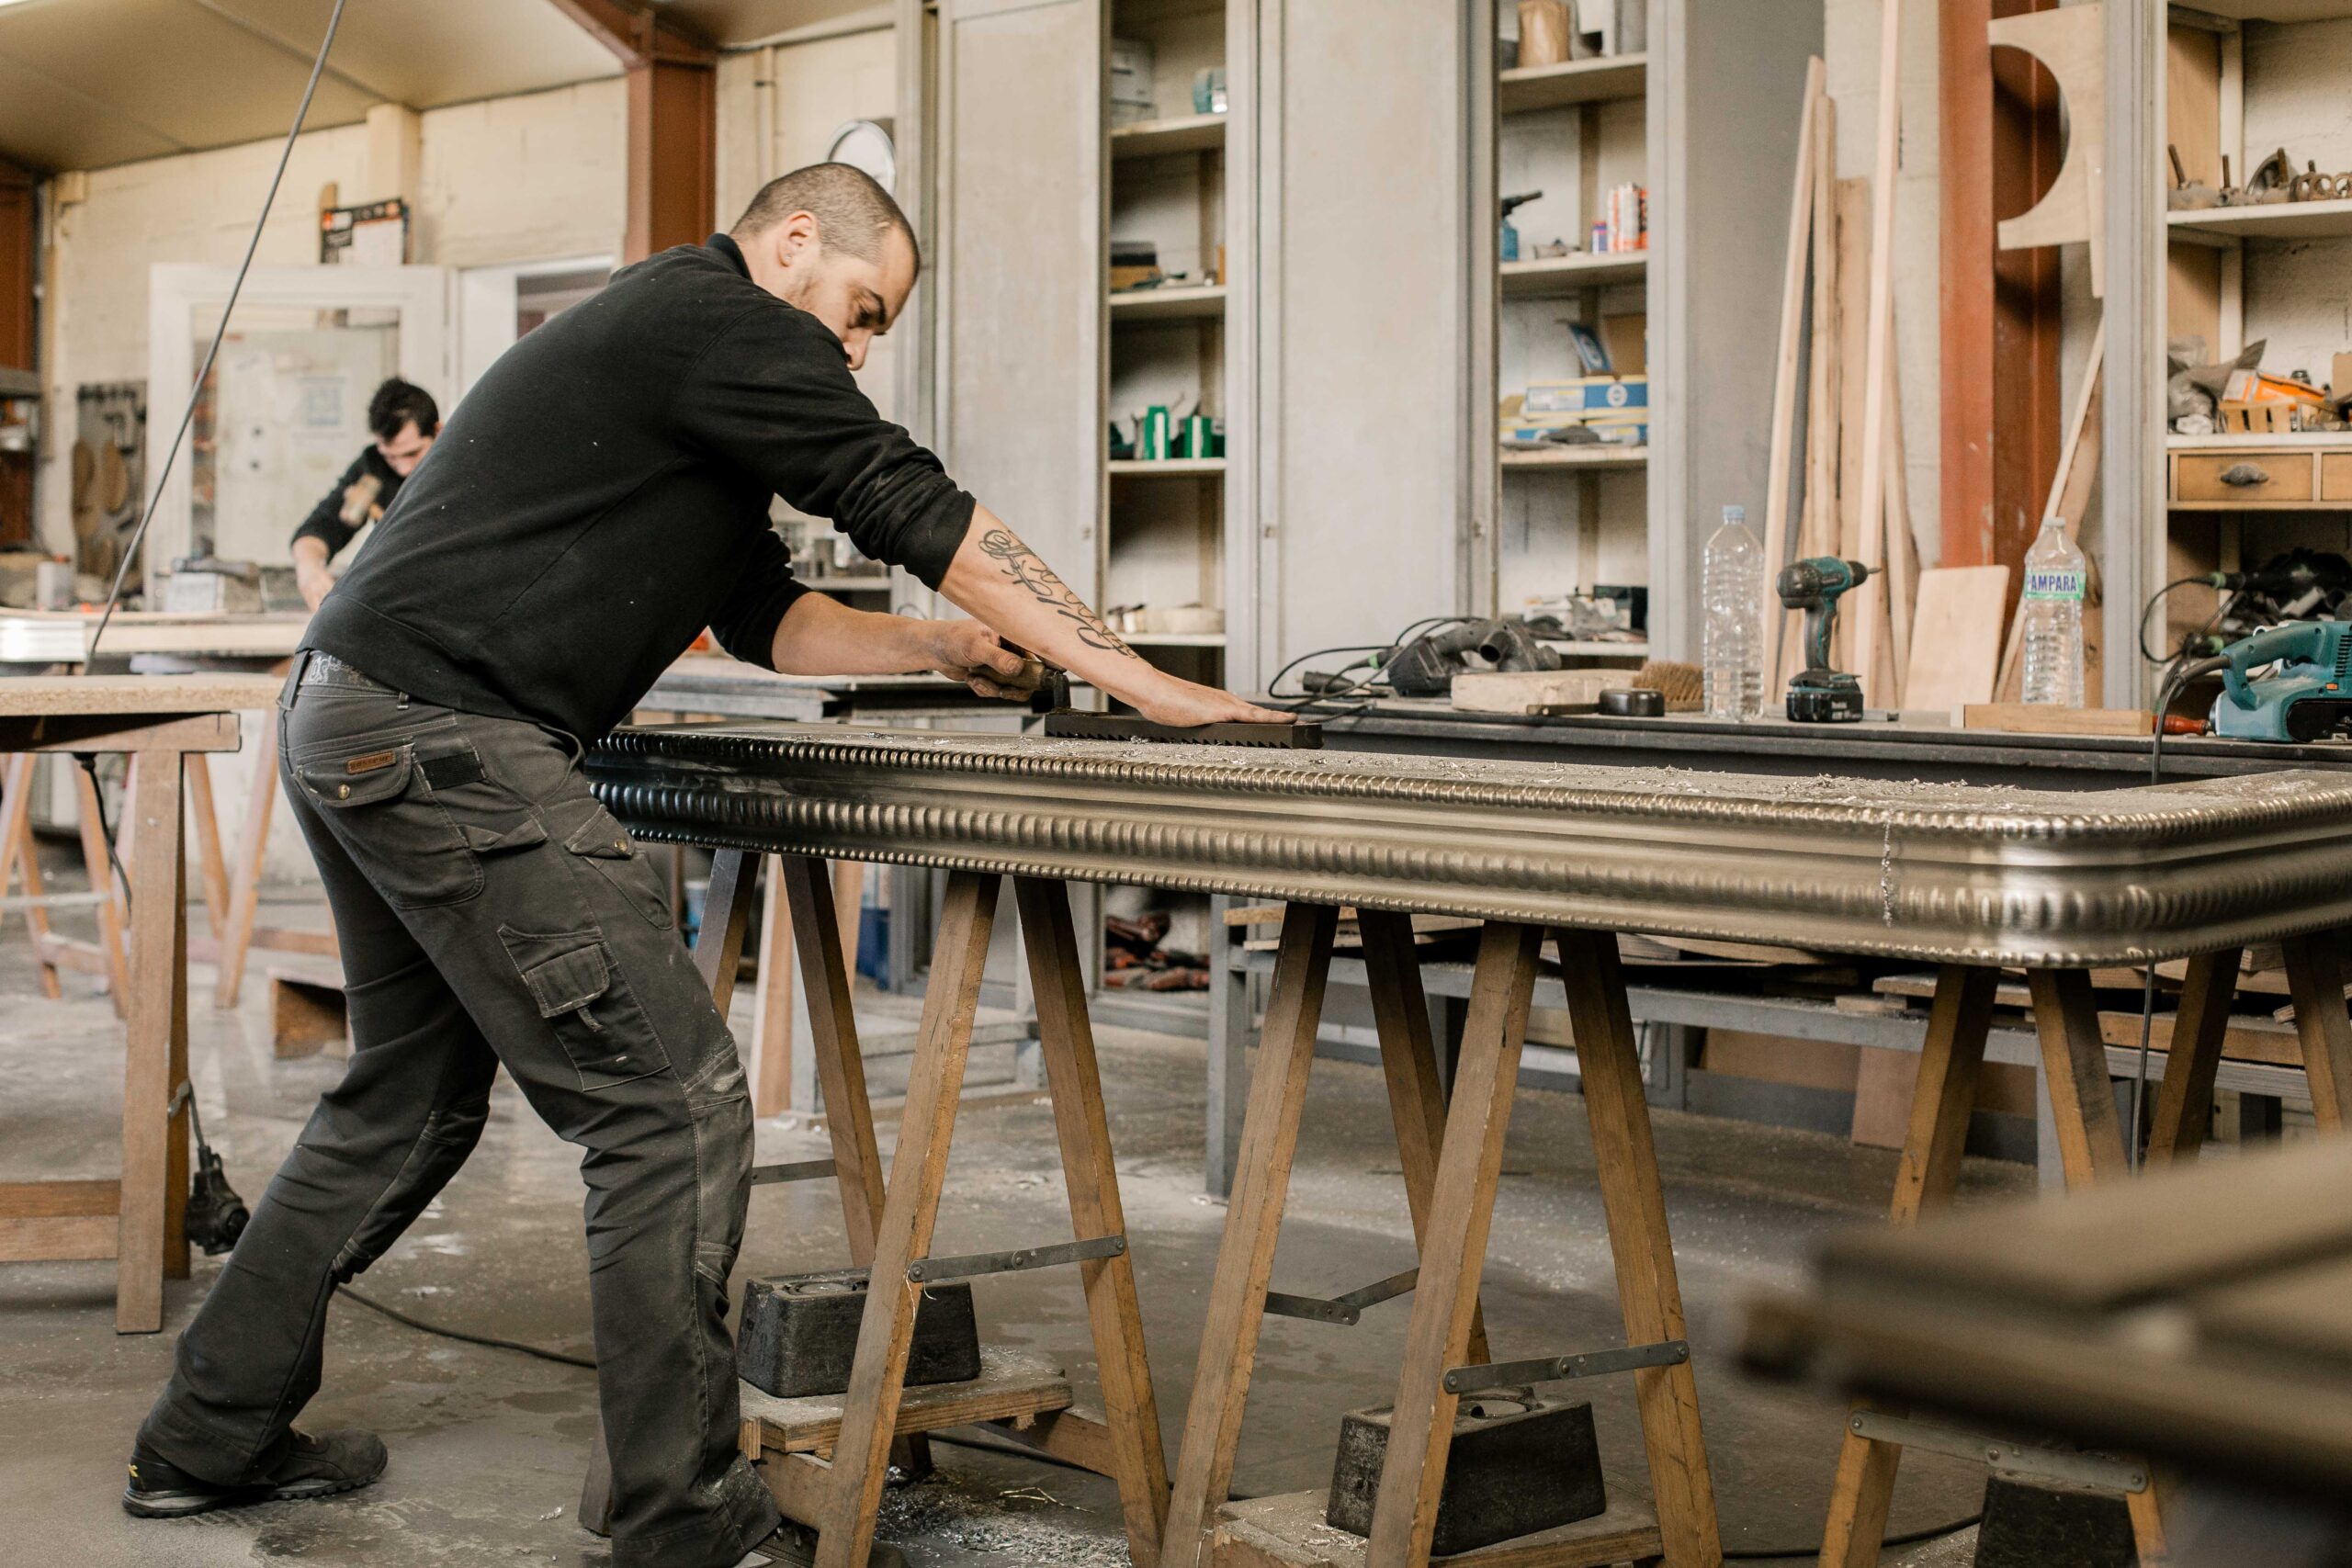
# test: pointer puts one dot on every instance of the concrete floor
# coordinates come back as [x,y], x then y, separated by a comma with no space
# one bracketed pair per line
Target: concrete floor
[488,1445]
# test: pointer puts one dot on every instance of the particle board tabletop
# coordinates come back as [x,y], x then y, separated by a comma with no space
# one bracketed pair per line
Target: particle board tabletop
[31,697]
[62,636]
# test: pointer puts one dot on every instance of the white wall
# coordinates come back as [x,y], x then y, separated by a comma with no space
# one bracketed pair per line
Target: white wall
[2299,97]
[810,90]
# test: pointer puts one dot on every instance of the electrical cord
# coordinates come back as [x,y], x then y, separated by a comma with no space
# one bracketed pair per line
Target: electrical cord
[979,1442]
[489,1340]
[2149,609]
[187,415]
[2181,674]
[1908,1537]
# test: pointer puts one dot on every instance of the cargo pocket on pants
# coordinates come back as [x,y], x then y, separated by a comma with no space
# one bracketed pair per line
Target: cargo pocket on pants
[580,992]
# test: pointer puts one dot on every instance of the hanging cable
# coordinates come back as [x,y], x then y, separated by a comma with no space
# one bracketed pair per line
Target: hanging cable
[204,372]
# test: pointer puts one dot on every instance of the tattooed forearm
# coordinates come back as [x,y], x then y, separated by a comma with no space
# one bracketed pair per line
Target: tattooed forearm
[1026,567]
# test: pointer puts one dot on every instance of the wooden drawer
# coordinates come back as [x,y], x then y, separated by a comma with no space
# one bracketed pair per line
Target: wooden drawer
[2336,477]
[2287,479]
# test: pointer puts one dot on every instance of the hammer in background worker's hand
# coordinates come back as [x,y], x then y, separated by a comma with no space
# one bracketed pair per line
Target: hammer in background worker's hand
[969,652]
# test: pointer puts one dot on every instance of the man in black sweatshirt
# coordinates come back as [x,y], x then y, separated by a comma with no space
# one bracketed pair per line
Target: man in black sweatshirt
[601,497]
[403,420]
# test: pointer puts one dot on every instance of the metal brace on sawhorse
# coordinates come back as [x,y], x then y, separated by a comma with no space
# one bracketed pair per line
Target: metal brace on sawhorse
[2090,1143]
[890,1232]
[1451,1157]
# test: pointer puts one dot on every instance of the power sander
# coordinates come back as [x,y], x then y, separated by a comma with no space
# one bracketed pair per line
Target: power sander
[1817,694]
[2308,697]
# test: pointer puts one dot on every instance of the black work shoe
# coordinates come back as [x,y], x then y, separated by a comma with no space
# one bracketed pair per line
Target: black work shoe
[794,1546]
[310,1467]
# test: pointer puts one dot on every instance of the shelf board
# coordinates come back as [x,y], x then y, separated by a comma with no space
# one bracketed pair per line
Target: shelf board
[1610,79]
[1166,468]
[2278,10]
[1592,455]
[1556,276]
[2304,440]
[2278,221]
[1155,138]
[1173,639]
[1192,301]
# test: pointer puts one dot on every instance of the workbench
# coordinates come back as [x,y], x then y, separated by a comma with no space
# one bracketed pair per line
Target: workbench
[1875,749]
[1967,880]
[163,723]
[1687,1000]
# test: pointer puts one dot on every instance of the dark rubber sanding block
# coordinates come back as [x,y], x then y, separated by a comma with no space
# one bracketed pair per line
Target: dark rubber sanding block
[1068,724]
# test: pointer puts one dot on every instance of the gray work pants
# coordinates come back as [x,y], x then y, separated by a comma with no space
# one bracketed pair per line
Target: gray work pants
[491,911]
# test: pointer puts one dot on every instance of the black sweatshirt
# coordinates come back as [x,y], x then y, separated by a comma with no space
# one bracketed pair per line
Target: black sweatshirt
[601,495]
[325,522]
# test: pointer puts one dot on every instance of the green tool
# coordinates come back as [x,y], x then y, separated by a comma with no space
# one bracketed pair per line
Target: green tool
[1817,694]
[2308,697]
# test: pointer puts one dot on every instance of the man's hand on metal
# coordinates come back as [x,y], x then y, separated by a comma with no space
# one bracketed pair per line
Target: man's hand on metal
[969,652]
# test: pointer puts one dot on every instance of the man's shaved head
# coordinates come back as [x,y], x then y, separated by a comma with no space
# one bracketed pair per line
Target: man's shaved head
[854,214]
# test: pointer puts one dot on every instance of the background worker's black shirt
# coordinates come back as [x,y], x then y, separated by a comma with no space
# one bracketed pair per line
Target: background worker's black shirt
[601,495]
[325,522]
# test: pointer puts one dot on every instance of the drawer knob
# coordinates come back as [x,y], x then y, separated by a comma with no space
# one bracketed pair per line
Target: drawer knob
[2245,475]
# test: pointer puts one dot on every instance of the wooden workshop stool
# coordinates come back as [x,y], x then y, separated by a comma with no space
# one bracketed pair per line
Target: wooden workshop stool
[137,1219]
[2091,1149]
[826,1458]
[1451,1157]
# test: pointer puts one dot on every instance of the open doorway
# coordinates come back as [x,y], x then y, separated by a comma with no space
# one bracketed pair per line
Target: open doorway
[497,305]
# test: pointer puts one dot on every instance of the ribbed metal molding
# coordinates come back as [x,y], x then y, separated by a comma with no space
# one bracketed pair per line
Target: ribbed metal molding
[1927,872]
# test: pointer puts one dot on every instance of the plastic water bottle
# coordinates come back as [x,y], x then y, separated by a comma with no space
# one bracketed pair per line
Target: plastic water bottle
[2052,609]
[1732,592]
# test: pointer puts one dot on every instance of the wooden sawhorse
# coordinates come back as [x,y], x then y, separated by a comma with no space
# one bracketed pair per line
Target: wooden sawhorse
[1451,1158]
[2090,1145]
[138,1220]
[826,1460]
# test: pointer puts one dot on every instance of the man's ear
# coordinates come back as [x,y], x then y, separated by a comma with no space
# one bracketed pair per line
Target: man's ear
[794,237]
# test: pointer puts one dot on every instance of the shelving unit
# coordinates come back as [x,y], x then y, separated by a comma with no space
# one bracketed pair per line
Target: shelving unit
[2237,274]
[1163,541]
[1568,517]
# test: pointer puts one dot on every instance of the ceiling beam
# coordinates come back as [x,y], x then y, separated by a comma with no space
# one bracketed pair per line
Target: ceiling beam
[637,36]
[672,123]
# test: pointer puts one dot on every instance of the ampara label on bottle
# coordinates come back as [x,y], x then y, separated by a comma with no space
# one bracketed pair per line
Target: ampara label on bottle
[2054,583]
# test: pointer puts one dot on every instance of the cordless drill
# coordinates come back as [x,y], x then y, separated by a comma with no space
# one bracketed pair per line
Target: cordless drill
[1817,694]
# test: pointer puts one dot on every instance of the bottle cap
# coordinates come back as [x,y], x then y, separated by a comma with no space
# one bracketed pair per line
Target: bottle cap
[1734,514]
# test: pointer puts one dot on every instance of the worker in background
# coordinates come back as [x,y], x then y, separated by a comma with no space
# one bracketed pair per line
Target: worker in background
[601,497]
[404,420]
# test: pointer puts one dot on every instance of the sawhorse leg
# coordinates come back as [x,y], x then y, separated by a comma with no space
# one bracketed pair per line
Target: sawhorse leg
[2185,1100]
[1400,1014]
[877,1374]
[209,860]
[96,861]
[17,846]
[1461,1201]
[1951,1060]
[154,1236]
[244,888]
[1244,1258]
[1616,1100]
[778,1056]
[1066,1037]
[2315,978]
